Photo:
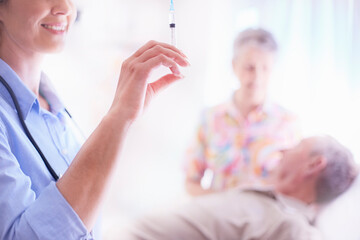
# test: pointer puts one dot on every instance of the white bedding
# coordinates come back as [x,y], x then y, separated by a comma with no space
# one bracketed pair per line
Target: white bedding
[340,220]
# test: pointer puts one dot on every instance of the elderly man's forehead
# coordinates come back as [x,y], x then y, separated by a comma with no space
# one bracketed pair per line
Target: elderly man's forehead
[311,142]
[319,143]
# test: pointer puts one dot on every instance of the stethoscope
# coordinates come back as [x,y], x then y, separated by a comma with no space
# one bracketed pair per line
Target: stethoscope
[26,130]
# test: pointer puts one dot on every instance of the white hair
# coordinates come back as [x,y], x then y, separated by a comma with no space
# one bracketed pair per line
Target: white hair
[340,170]
[256,37]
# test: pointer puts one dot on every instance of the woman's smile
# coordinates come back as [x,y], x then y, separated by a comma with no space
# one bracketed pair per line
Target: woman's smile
[59,28]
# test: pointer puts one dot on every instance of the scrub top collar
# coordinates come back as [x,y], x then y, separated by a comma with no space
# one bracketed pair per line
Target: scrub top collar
[47,90]
[26,98]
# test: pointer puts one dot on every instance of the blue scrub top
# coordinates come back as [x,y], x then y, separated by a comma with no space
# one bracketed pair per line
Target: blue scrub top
[31,207]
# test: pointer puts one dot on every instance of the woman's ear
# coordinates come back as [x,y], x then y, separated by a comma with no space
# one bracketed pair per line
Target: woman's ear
[316,165]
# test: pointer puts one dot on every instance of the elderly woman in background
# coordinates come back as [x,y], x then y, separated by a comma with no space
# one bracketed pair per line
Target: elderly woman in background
[238,142]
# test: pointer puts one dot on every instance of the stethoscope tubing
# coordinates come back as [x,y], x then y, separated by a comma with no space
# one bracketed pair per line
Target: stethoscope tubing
[26,130]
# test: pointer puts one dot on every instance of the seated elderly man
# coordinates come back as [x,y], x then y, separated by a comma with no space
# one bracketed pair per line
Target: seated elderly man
[314,172]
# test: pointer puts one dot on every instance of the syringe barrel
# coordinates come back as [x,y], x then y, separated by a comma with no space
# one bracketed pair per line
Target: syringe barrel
[172,27]
[172,17]
[173,36]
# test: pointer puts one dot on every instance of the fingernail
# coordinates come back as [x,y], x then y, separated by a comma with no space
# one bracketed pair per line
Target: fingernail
[186,61]
[180,76]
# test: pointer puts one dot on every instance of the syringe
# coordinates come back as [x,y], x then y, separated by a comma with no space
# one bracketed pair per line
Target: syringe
[172,23]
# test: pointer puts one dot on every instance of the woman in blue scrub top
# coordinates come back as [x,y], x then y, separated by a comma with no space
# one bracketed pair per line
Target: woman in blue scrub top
[33,204]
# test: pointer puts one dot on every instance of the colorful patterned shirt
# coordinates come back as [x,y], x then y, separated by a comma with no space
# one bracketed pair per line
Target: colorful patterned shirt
[238,150]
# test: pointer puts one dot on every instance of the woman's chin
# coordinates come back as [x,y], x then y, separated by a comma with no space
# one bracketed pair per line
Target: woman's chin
[54,49]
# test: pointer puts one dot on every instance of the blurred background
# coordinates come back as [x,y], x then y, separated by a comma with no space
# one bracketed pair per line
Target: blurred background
[317,77]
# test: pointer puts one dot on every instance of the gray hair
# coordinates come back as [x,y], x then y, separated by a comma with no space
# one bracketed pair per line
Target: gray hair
[339,172]
[258,37]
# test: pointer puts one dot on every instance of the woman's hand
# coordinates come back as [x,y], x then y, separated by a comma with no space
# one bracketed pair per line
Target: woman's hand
[134,92]
[84,183]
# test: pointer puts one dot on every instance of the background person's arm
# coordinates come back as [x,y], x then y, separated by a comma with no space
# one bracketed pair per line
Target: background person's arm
[196,160]
[194,188]
[84,184]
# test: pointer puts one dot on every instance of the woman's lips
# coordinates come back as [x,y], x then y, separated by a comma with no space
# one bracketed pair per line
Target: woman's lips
[55,28]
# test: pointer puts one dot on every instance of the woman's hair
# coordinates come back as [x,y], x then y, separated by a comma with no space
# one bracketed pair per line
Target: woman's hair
[256,37]
[340,170]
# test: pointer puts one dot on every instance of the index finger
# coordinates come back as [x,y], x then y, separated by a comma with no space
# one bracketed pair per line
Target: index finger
[152,44]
